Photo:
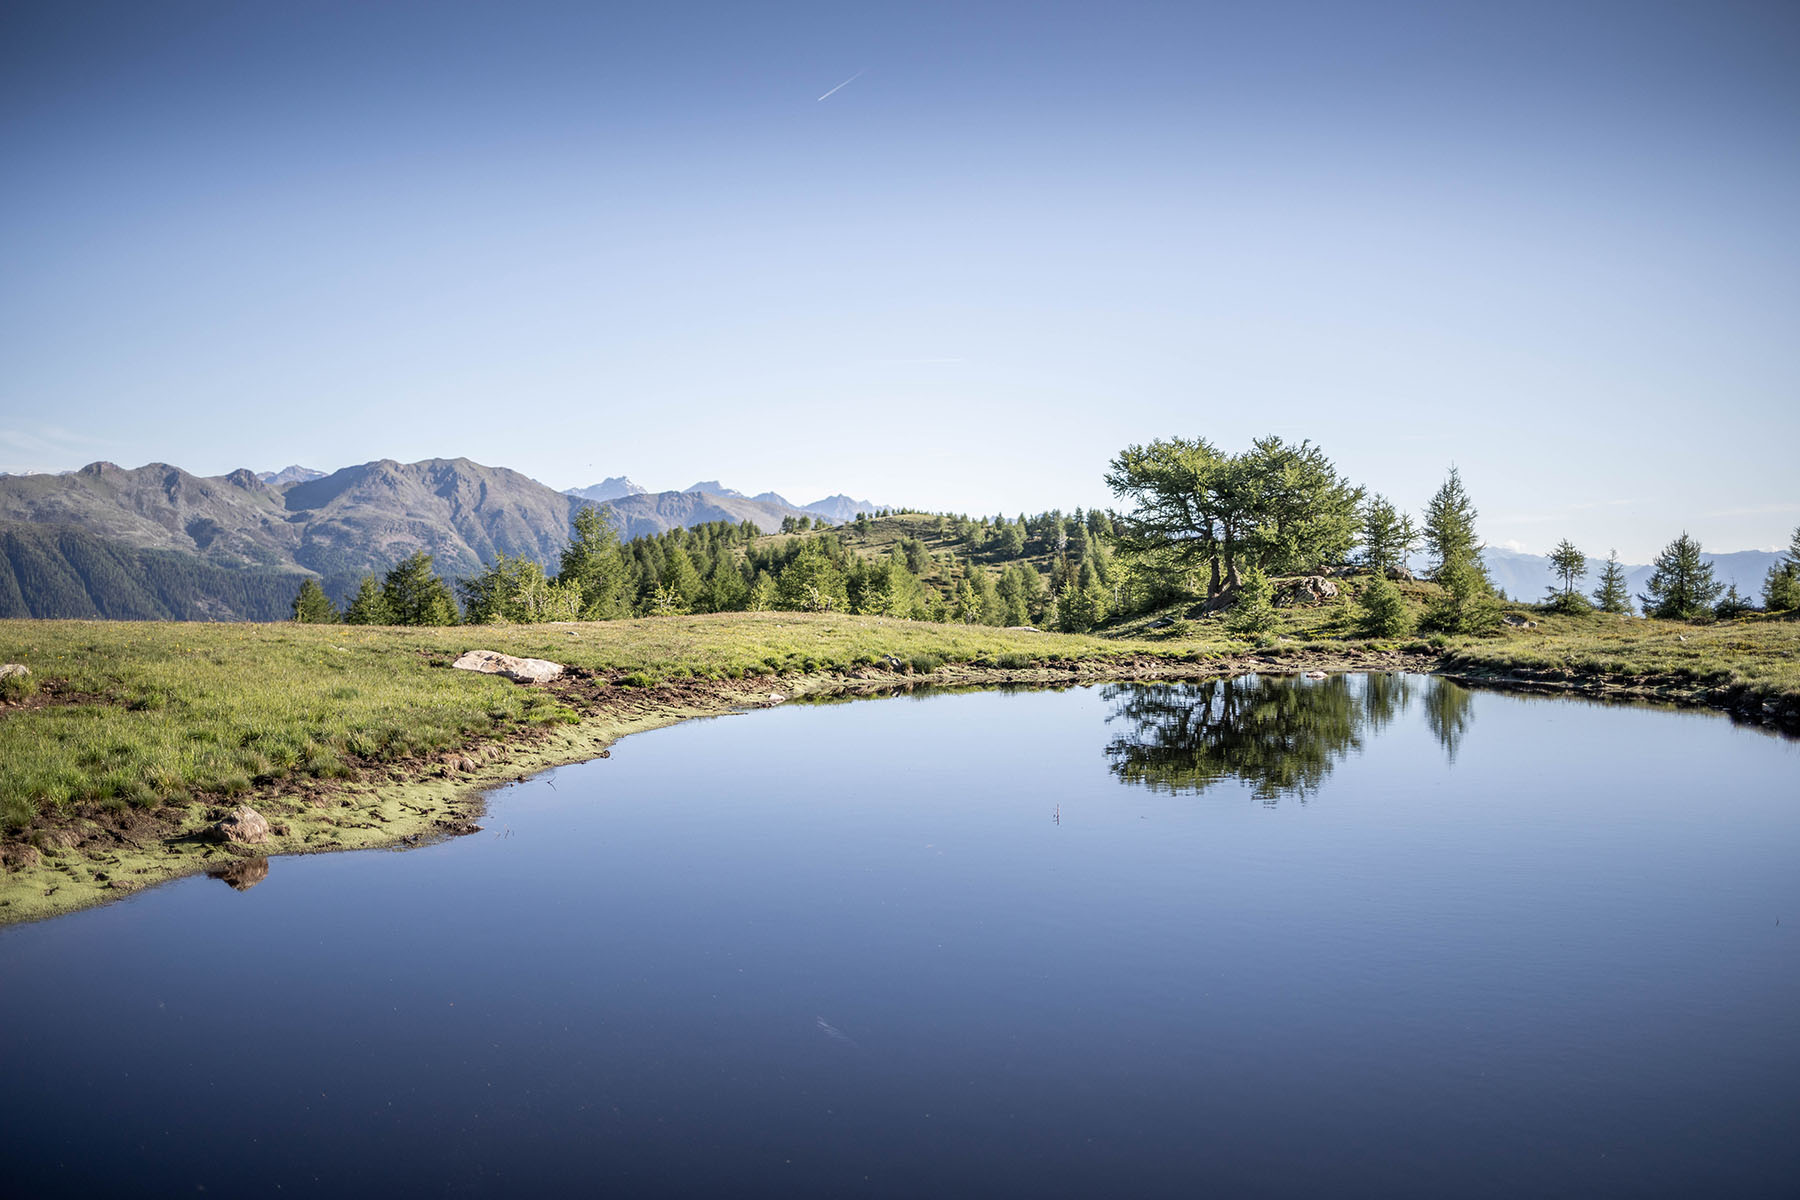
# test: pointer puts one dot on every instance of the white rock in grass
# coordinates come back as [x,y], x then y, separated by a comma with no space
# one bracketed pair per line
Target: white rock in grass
[519,670]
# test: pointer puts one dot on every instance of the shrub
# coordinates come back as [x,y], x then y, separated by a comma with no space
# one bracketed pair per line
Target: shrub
[638,679]
[1015,661]
[1254,610]
[925,664]
[1384,611]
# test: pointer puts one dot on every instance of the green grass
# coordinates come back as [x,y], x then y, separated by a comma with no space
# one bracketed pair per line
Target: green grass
[135,713]
[138,714]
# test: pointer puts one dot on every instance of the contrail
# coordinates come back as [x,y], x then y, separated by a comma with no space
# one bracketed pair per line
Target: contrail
[846,82]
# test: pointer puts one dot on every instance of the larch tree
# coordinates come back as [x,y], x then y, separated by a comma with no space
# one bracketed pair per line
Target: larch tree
[312,606]
[1682,586]
[1612,596]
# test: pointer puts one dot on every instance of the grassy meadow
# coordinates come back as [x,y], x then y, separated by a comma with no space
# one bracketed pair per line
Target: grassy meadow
[141,713]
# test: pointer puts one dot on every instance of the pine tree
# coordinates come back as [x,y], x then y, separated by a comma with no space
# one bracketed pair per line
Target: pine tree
[1682,587]
[1611,596]
[312,606]
[416,596]
[369,606]
[1388,535]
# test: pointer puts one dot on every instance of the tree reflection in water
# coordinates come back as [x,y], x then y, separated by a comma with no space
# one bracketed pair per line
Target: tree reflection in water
[1279,734]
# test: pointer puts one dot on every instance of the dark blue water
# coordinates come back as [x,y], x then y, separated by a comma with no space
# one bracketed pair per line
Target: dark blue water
[1359,937]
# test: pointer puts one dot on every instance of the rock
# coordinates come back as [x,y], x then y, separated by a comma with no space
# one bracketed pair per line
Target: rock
[519,670]
[776,697]
[1161,623]
[457,828]
[1400,573]
[241,874]
[1315,674]
[1518,622]
[7,669]
[243,825]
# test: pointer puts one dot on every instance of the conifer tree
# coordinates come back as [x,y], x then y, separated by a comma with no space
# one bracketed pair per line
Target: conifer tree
[593,566]
[1388,535]
[416,596]
[1682,586]
[312,606]
[1450,526]
[1781,586]
[1611,596]
[1384,612]
[1254,610]
[369,606]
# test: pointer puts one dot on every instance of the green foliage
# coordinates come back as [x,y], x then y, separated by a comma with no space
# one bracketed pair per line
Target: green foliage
[516,590]
[1611,596]
[1466,603]
[1732,604]
[51,571]
[15,687]
[369,606]
[592,566]
[1450,527]
[1254,609]
[416,596]
[1384,611]
[1276,508]
[1682,586]
[812,582]
[312,606]
[1388,535]
[1781,588]
[925,664]
[1573,604]
[1570,564]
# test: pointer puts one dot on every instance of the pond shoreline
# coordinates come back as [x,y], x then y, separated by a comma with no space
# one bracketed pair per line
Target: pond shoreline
[96,856]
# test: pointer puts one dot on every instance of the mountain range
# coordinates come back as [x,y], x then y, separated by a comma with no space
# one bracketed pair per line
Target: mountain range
[236,546]
[640,512]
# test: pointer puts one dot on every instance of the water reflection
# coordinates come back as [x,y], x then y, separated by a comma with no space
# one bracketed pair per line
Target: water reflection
[241,874]
[1279,734]
[1448,712]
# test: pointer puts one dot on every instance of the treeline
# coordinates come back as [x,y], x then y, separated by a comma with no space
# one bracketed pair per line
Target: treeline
[1203,524]
[57,572]
[982,577]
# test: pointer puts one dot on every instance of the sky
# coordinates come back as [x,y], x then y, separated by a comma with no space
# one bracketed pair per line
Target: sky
[1554,245]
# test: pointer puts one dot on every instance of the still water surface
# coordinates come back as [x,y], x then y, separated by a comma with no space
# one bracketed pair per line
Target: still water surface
[1367,936]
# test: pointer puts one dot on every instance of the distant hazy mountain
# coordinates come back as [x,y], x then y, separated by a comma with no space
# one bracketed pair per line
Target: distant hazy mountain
[840,508]
[1529,576]
[607,489]
[287,475]
[712,487]
[655,512]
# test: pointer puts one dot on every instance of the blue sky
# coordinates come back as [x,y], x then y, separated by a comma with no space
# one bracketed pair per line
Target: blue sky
[1553,244]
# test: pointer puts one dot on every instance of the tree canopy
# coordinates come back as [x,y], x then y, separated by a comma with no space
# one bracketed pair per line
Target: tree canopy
[1275,507]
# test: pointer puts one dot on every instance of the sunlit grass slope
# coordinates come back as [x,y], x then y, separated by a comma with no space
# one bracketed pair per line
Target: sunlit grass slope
[142,713]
